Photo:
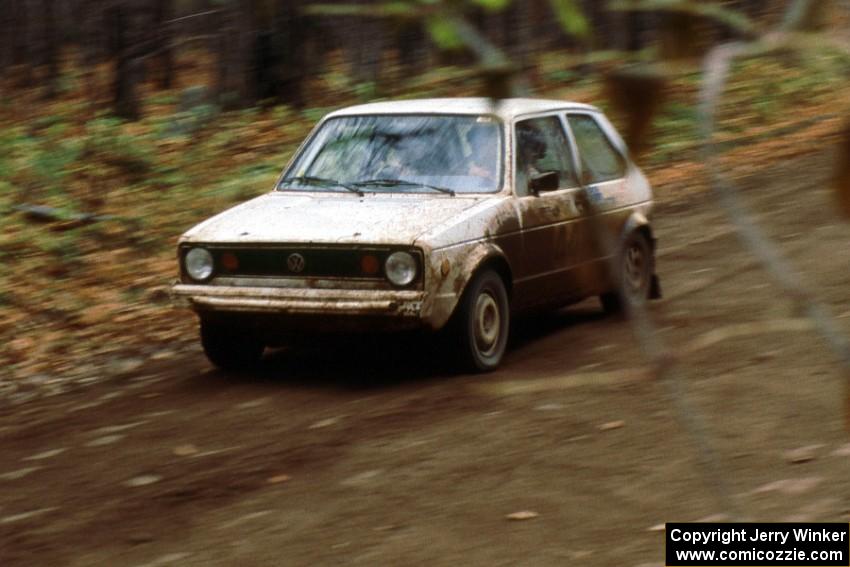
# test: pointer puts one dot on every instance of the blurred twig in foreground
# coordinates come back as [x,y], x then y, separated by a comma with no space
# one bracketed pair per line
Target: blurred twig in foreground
[717,68]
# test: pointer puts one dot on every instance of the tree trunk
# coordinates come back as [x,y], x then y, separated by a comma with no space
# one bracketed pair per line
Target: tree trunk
[291,33]
[368,47]
[125,100]
[91,48]
[412,50]
[7,24]
[163,12]
[21,44]
[635,40]
[238,49]
[51,49]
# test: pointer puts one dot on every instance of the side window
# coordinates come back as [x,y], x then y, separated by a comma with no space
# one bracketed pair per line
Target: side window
[541,146]
[598,157]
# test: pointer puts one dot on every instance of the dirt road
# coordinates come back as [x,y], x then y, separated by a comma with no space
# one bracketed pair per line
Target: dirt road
[373,455]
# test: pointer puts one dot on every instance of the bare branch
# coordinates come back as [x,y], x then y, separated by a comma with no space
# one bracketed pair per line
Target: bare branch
[717,67]
[190,16]
[805,15]
[665,367]
[733,20]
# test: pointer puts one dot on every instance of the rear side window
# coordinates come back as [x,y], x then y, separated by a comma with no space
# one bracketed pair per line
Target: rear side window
[600,160]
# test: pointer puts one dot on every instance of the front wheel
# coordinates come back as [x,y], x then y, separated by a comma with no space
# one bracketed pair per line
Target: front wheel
[229,347]
[636,267]
[484,320]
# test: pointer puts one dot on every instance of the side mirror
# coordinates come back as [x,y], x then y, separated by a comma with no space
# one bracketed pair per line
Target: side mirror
[548,181]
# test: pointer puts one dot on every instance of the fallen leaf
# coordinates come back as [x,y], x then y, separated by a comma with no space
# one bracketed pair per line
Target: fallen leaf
[611,425]
[324,423]
[549,407]
[791,486]
[140,537]
[522,515]
[713,519]
[361,479]
[802,454]
[185,450]
[105,440]
[143,480]
[20,473]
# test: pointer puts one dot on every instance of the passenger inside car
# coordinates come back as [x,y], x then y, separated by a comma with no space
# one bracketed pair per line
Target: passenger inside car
[483,143]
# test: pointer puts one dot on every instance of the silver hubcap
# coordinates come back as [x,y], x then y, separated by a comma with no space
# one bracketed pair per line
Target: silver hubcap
[487,323]
[635,268]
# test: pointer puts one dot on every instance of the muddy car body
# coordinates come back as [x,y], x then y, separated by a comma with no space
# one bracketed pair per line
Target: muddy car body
[382,220]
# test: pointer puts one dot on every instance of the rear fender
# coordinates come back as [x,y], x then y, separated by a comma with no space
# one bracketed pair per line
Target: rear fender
[639,222]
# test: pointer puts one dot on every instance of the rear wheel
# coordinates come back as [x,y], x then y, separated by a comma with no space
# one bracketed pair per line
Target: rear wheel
[636,267]
[484,320]
[229,347]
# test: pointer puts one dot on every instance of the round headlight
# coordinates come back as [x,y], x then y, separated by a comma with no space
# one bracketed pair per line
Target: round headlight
[199,264]
[400,268]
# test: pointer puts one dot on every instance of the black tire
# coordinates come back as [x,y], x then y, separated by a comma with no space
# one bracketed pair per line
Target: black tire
[636,269]
[483,322]
[230,348]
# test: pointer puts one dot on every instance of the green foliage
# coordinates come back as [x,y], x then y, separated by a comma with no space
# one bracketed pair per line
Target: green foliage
[366,91]
[190,121]
[398,9]
[315,114]
[675,132]
[170,176]
[562,76]
[162,99]
[62,251]
[570,17]
[492,5]
[107,138]
[444,33]
[249,181]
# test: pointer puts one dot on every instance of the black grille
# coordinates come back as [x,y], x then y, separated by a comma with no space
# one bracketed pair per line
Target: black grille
[317,262]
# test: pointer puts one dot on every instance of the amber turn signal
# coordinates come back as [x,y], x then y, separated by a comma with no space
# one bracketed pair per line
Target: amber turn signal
[369,265]
[229,261]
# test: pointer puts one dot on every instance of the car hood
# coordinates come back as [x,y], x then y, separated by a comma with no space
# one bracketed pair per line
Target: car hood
[335,218]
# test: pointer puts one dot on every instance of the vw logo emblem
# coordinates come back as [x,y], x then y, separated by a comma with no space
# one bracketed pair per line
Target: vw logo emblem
[295,263]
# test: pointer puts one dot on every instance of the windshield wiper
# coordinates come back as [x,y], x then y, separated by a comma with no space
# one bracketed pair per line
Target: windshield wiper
[385,182]
[321,181]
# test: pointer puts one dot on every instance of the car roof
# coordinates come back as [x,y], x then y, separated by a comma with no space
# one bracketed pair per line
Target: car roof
[506,109]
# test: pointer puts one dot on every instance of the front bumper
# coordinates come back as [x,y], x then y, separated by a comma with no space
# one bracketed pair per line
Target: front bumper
[298,301]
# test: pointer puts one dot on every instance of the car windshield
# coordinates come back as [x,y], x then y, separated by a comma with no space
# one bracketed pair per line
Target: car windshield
[401,153]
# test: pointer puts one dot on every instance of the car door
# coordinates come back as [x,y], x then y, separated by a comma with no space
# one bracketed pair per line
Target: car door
[603,169]
[550,219]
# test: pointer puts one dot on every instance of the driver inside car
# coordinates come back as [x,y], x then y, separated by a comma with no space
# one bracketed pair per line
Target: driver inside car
[531,148]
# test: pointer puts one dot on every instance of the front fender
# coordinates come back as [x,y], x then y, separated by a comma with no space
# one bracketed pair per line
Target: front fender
[449,270]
